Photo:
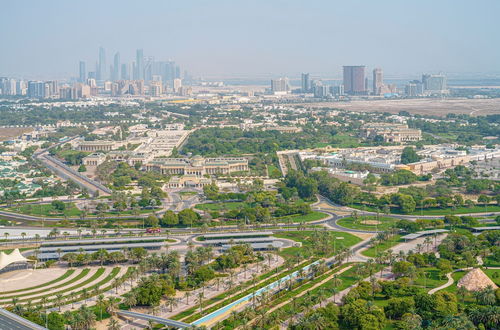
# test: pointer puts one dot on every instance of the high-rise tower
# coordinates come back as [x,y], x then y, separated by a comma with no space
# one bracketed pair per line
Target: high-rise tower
[101,65]
[378,81]
[306,84]
[354,80]
[139,64]
[116,67]
[83,72]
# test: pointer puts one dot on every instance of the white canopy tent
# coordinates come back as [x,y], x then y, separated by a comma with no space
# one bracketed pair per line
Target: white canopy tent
[13,257]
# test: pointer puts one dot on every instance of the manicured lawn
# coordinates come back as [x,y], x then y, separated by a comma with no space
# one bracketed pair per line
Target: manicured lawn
[384,223]
[92,278]
[493,274]
[456,277]
[46,210]
[220,206]
[193,314]
[383,246]
[436,210]
[82,274]
[308,241]
[490,262]
[431,279]
[313,216]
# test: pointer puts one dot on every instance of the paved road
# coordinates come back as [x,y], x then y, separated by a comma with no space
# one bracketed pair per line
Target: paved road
[10,321]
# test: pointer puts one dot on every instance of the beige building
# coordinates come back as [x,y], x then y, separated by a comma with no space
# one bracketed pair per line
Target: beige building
[93,146]
[197,166]
[188,181]
[398,133]
[94,159]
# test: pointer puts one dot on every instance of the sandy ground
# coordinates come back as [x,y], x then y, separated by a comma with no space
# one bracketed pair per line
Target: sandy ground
[12,132]
[22,279]
[437,107]
[412,245]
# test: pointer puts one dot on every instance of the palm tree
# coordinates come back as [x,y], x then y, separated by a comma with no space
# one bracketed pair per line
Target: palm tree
[113,324]
[336,282]
[112,305]
[101,304]
[427,242]
[200,300]
[130,299]
[187,294]
[59,300]
[172,302]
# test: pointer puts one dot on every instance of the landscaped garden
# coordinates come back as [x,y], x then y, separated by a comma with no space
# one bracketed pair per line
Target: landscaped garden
[370,223]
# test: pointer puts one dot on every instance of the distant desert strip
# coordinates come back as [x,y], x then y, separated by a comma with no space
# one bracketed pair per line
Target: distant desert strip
[436,107]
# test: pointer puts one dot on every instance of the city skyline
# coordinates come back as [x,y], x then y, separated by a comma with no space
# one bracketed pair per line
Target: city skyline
[223,39]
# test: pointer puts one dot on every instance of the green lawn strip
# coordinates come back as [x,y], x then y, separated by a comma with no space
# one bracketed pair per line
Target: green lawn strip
[385,223]
[456,277]
[60,278]
[73,280]
[304,283]
[46,210]
[109,287]
[68,242]
[238,288]
[490,262]
[493,274]
[9,251]
[431,280]
[304,237]
[435,210]
[220,206]
[95,276]
[308,284]
[383,246]
[90,289]
[347,278]
[313,216]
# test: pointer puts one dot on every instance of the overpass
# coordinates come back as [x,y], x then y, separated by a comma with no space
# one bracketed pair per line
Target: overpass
[156,319]
[68,173]
[11,321]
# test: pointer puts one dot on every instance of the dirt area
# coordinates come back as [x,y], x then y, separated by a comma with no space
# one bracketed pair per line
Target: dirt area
[12,132]
[437,107]
[371,222]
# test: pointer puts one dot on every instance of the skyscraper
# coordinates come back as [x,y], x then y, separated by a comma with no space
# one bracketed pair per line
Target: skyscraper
[354,80]
[125,72]
[306,85]
[434,83]
[280,85]
[83,72]
[139,64]
[116,67]
[101,65]
[378,81]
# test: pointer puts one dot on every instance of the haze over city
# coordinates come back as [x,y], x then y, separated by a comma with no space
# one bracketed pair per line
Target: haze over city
[46,39]
[263,165]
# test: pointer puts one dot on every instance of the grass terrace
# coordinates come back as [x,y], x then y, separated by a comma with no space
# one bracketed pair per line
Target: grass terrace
[59,279]
[78,277]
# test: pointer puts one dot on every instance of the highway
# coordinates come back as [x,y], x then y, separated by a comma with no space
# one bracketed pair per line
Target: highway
[10,321]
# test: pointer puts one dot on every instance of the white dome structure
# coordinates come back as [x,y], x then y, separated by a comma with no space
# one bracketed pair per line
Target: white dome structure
[13,257]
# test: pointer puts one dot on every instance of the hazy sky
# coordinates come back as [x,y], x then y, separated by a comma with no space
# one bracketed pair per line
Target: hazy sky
[221,38]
